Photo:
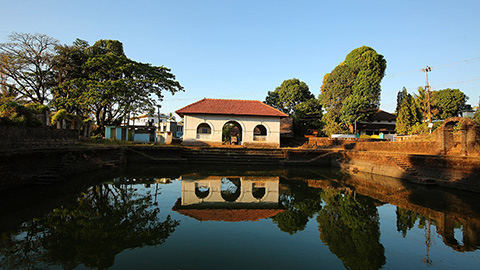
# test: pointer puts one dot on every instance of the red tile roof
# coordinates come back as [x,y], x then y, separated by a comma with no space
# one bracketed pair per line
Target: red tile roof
[230,107]
[229,215]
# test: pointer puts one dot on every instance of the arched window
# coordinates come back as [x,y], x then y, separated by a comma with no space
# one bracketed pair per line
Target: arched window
[204,131]
[201,190]
[260,133]
[258,190]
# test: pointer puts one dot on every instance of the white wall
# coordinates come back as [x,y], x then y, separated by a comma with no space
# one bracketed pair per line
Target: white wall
[216,123]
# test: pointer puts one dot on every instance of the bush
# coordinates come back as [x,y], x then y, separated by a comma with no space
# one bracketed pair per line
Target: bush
[12,113]
[60,115]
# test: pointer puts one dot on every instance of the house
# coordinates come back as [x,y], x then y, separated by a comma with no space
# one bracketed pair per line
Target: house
[145,120]
[383,122]
[227,121]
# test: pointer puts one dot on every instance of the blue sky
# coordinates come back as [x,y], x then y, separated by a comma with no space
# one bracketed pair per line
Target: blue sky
[243,49]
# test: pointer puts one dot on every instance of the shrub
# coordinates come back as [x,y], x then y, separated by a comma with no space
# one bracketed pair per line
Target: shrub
[60,115]
[12,113]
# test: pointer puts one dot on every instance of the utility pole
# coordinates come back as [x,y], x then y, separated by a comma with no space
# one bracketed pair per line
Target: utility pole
[427,89]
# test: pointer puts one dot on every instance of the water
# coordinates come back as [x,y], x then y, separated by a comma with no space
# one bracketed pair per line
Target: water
[192,217]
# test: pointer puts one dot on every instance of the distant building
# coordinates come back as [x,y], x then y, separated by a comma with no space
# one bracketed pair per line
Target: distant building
[225,121]
[466,111]
[383,122]
[146,120]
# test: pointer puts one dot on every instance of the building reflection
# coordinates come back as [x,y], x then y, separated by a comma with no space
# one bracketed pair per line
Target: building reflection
[229,198]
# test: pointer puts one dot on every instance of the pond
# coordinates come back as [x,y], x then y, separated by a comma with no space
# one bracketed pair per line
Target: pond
[212,217]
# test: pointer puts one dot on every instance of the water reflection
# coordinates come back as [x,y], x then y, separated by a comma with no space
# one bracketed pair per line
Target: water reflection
[229,198]
[349,225]
[105,220]
[96,226]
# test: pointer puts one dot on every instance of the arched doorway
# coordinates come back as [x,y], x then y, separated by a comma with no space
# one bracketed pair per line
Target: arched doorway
[232,133]
[468,135]
[230,189]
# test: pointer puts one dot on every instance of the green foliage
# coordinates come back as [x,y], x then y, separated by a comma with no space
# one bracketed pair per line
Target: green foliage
[422,104]
[350,227]
[476,116]
[103,221]
[308,116]
[100,80]
[337,85]
[332,126]
[12,113]
[407,116]
[288,95]
[421,128]
[400,97]
[446,102]
[301,204]
[291,221]
[60,115]
[36,108]
[351,92]
[405,220]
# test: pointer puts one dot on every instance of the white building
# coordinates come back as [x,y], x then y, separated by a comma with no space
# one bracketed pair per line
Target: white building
[225,121]
[146,120]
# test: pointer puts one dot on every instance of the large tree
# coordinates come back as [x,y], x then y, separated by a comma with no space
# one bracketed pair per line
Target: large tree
[27,67]
[288,95]
[351,92]
[446,102]
[102,81]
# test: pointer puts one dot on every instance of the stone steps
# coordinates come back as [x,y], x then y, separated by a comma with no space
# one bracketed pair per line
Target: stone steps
[233,156]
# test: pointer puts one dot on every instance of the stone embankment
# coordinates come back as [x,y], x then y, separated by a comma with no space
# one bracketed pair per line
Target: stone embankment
[42,166]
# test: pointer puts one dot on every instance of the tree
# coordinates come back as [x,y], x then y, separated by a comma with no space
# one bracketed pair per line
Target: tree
[288,95]
[476,116]
[308,116]
[364,101]
[446,102]
[351,92]
[408,115]
[422,103]
[337,85]
[400,97]
[27,63]
[107,84]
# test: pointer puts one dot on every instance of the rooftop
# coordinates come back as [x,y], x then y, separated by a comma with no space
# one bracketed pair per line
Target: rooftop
[230,107]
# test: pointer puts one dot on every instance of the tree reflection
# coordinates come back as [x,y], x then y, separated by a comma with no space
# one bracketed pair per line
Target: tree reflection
[405,220]
[301,203]
[105,221]
[350,227]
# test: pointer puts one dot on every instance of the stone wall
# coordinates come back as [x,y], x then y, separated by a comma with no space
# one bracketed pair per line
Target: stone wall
[14,137]
[21,167]
[447,171]
[428,148]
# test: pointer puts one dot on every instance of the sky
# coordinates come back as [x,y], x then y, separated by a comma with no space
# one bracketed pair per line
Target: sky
[243,49]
